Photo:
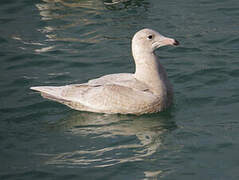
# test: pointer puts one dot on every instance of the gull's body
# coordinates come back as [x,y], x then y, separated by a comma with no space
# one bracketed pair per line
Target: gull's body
[148,90]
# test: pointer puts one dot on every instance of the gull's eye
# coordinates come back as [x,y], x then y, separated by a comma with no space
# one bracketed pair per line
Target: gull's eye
[150,37]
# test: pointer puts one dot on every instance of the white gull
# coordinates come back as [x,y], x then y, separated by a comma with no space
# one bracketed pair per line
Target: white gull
[148,90]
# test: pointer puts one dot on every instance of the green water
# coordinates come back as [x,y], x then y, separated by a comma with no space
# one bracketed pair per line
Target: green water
[47,42]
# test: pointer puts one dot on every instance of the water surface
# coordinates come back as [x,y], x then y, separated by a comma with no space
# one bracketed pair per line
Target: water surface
[47,42]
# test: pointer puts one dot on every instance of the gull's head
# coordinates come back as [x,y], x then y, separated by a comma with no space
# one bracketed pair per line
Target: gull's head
[148,40]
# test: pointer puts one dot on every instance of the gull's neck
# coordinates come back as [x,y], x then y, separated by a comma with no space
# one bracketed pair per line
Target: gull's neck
[149,70]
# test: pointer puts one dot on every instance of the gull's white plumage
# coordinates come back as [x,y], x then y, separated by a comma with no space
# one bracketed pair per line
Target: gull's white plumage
[148,90]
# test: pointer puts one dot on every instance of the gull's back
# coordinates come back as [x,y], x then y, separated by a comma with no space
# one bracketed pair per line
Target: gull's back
[116,93]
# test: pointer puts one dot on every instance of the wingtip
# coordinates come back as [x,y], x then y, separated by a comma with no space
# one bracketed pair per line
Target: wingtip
[51,90]
[38,88]
[34,88]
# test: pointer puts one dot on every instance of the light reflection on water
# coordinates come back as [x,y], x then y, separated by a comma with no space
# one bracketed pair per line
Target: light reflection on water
[67,21]
[64,12]
[78,14]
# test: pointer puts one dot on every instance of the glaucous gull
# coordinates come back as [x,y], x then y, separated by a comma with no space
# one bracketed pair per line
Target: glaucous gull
[148,90]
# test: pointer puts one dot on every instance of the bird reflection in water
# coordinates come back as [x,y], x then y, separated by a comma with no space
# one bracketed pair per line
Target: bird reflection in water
[116,139]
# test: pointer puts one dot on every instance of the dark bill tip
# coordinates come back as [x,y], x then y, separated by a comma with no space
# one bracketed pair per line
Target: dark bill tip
[176,43]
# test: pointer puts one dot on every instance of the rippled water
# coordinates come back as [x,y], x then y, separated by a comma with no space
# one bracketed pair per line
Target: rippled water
[57,42]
